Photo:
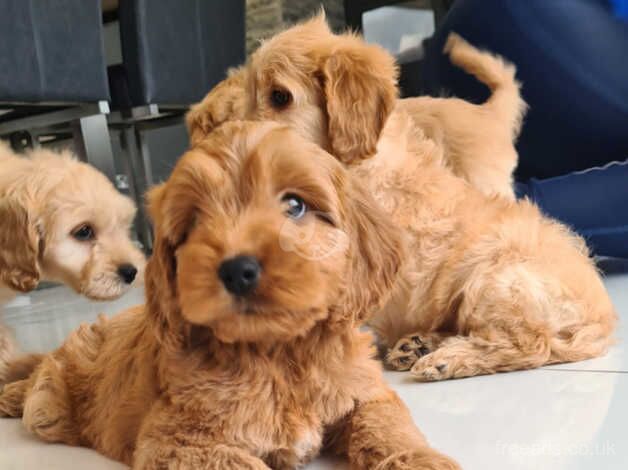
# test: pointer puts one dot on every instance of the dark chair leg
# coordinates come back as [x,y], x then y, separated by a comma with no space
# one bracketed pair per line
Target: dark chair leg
[137,165]
[91,135]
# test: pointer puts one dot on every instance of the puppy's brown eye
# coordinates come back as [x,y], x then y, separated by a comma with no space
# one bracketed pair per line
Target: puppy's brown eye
[84,233]
[280,98]
[295,206]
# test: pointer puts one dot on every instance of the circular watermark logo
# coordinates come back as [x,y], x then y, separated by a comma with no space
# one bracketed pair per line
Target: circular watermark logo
[312,241]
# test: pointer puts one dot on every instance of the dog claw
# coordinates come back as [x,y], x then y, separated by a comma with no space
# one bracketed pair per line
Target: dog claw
[406,352]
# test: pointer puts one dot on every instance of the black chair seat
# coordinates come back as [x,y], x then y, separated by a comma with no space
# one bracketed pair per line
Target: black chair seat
[174,52]
[119,87]
[52,51]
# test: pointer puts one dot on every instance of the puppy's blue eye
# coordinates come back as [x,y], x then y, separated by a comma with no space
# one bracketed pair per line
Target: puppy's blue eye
[295,206]
[84,233]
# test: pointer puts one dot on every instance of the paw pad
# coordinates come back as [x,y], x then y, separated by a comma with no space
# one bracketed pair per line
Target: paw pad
[406,352]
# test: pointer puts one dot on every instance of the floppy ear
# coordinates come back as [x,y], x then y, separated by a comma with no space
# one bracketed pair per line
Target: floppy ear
[154,201]
[171,206]
[376,254]
[225,102]
[171,219]
[170,211]
[19,247]
[160,274]
[360,83]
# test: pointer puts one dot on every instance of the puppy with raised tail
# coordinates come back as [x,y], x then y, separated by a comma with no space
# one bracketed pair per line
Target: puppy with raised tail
[61,220]
[322,85]
[489,284]
[248,354]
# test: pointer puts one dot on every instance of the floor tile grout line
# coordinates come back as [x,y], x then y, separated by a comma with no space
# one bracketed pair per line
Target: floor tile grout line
[598,371]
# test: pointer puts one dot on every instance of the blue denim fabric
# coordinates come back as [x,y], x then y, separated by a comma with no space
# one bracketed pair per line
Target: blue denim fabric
[593,202]
[572,59]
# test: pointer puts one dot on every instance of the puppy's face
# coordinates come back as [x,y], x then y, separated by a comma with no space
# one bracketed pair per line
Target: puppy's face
[284,81]
[73,227]
[334,90]
[87,242]
[261,235]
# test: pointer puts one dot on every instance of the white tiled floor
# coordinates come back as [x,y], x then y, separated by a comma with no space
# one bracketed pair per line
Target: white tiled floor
[567,417]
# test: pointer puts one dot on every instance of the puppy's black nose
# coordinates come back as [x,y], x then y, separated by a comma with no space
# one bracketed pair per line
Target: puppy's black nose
[127,272]
[240,275]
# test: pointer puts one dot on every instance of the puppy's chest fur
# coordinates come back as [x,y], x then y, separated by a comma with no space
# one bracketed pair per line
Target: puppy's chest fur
[279,408]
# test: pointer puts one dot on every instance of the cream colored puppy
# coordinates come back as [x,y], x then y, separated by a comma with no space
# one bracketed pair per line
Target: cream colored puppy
[62,221]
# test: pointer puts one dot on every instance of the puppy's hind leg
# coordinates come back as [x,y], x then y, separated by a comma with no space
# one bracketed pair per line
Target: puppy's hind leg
[505,322]
[47,408]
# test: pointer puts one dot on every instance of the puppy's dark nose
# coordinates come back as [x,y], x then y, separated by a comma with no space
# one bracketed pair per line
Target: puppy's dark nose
[127,272]
[240,275]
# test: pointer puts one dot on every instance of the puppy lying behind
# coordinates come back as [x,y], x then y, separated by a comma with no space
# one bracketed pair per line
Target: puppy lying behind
[322,85]
[489,284]
[61,220]
[268,256]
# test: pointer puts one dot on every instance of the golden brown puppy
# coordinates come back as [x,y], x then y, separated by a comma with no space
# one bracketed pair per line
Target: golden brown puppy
[489,284]
[268,256]
[492,285]
[323,85]
[61,220]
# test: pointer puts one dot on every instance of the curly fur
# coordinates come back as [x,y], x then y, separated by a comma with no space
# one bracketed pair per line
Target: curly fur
[489,284]
[200,379]
[343,90]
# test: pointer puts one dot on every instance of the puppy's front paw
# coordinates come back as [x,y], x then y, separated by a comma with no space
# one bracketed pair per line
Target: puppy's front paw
[418,460]
[407,352]
[431,369]
[20,280]
[12,399]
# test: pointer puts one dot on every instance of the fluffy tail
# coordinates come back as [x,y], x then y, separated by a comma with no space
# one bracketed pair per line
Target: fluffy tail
[494,72]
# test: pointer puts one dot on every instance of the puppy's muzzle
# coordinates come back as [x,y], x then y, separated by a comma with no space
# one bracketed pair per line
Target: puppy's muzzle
[240,275]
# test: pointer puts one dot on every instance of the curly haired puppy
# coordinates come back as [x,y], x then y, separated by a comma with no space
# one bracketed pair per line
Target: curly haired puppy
[61,220]
[489,284]
[268,256]
[322,85]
